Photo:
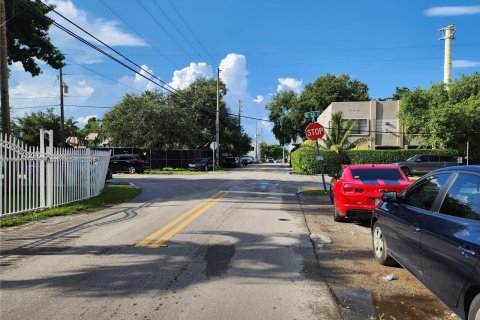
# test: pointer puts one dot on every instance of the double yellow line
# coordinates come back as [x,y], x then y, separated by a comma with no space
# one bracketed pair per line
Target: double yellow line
[159,237]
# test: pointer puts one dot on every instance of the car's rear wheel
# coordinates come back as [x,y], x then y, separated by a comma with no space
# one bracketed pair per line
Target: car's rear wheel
[406,171]
[131,169]
[336,216]
[474,310]
[380,246]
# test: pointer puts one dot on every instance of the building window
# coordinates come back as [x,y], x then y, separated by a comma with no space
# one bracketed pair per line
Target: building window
[361,128]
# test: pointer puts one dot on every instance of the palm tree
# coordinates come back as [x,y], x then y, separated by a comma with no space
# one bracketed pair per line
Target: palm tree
[336,137]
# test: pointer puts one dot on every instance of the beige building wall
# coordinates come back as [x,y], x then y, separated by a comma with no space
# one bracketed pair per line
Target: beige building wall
[377,120]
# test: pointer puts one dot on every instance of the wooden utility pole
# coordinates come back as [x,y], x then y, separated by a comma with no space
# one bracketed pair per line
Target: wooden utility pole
[239,112]
[6,128]
[62,113]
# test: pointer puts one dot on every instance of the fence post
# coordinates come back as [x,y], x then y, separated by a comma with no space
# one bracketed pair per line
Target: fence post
[50,169]
[89,172]
[42,168]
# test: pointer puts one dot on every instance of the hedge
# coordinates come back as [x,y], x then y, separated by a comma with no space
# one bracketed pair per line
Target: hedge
[304,159]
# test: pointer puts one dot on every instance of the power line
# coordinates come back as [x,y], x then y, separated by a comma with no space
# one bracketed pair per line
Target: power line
[134,30]
[178,30]
[104,76]
[114,50]
[76,36]
[191,31]
[165,30]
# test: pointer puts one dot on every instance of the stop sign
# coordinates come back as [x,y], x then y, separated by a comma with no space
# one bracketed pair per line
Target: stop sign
[314,131]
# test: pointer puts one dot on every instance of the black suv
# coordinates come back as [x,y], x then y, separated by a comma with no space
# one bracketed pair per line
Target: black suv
[424,163]
[229,162]
[130,163]
[201,164]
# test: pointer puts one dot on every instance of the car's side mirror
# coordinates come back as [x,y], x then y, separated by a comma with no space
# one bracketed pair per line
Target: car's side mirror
[333,175]
[390,196]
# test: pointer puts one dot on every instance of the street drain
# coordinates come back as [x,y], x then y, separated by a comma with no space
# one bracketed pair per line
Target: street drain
[283,219]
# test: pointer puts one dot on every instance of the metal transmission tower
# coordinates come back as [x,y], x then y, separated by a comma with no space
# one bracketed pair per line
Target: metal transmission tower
[447,34]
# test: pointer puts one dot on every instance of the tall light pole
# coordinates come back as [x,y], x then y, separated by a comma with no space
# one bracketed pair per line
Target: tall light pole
[448,34]
[217,118]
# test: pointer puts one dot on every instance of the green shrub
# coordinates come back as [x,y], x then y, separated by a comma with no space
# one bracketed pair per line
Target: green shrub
[304,159]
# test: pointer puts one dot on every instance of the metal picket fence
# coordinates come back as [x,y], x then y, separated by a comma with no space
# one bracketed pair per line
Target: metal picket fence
[35,178]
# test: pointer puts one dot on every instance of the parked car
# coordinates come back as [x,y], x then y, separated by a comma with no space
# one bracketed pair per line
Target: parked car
[249,159]
[229,162]
[424,163]
[201,164]
[130,163]
[109,174]
[270,160]
[355,191]
[432,229]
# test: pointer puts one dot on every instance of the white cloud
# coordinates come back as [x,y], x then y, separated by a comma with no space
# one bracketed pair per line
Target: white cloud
[452,11]
[108,31]
[259,99]
[287,84]
[234,74]
[465,64]
[186,76]
[141,83]
[84,120]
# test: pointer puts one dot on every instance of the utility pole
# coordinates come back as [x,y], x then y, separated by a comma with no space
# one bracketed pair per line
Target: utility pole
[256,142]
[4,71]
[448,34]
[239,112]
[217,119]
[62,113]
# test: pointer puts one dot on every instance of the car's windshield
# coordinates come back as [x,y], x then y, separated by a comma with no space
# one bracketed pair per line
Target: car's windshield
[412,158]
[201,160]
[377,174]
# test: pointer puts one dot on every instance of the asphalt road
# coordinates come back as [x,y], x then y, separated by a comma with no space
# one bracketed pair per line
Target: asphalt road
[217,246]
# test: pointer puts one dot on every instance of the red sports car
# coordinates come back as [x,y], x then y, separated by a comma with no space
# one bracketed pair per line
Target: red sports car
[355,191]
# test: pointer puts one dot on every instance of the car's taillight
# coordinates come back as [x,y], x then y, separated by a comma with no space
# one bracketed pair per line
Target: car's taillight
[141,161]
[352,189]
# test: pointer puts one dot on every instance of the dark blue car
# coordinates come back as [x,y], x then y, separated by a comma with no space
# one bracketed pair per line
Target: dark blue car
[432,229]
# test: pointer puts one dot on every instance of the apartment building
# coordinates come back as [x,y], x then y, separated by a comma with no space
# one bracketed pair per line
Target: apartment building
[377,119]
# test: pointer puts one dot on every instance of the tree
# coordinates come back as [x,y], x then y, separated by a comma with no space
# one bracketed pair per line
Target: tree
[27,35]
[27,128]
[279,112]
[336,137]
[444,116]
[184,119]
[271,150]
[26,32]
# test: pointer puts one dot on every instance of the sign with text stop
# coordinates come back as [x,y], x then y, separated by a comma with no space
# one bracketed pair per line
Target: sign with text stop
[314,131]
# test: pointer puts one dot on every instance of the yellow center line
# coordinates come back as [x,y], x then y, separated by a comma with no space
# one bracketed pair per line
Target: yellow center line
[185,223]
[154,235]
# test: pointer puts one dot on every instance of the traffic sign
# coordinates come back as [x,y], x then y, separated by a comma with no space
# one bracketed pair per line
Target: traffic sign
[312,114]
[319,158]
[213,145]
[314,131]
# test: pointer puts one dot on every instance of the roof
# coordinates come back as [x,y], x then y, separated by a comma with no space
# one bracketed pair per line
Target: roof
[367,166]
[458,168]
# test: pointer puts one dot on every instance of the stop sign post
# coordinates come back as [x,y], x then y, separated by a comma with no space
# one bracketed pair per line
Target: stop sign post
[315,132]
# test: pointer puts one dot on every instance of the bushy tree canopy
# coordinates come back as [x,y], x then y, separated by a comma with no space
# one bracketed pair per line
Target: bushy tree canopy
[27,35]
[441,116]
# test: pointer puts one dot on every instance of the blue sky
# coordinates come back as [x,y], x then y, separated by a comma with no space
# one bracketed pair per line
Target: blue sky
[261,46]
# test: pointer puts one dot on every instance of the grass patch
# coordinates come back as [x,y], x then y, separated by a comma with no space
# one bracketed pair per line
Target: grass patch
[109,196]
[315,193]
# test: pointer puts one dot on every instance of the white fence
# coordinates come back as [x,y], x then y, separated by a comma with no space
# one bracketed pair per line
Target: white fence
[34,178]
